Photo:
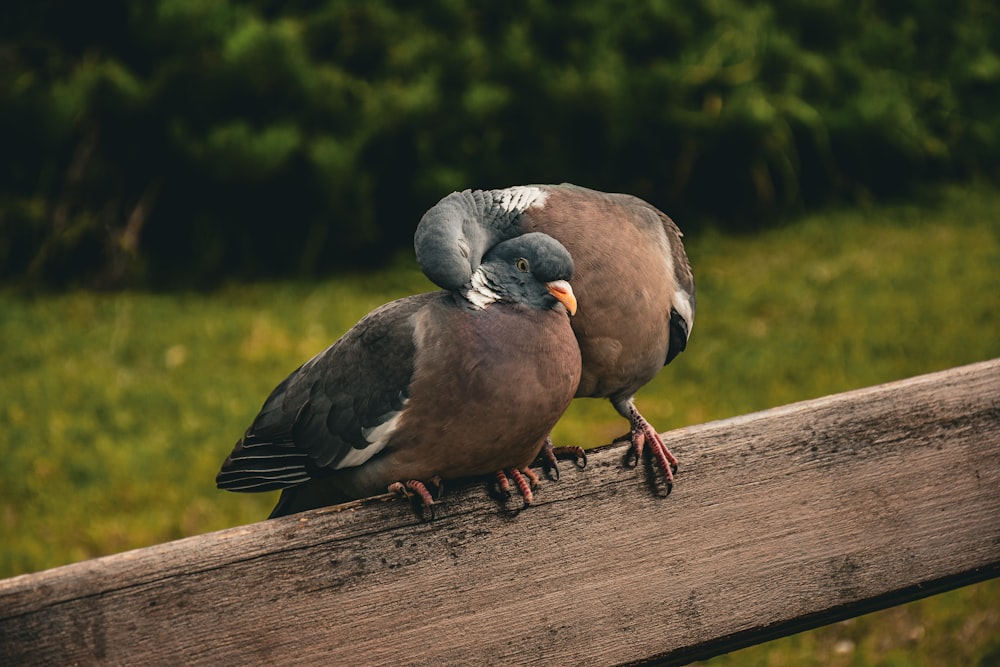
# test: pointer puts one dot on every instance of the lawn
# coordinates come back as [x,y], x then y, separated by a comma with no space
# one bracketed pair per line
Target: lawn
[117,409]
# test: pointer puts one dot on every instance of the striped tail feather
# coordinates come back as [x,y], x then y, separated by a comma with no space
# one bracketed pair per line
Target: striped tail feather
[263,466]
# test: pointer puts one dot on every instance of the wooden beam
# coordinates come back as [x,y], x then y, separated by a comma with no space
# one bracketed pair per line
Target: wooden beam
[779,521]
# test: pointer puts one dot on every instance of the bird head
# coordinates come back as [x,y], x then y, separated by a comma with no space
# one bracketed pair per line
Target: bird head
[533,269]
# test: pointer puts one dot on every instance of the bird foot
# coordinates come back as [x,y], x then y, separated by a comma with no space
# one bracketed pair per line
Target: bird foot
[549,457]
[416,492]
[643,433]
[524,479]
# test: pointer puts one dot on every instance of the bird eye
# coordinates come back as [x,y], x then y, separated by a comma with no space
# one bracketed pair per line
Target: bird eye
[521,265]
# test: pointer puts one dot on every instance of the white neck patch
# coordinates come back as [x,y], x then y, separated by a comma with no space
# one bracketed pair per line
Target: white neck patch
[520,198]
[479,293]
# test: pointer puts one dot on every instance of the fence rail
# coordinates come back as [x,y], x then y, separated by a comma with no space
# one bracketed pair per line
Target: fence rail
[780,521]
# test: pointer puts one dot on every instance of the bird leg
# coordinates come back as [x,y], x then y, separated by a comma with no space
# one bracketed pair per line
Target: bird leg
[550,455]
[641,434]
[524,478]
[419,496]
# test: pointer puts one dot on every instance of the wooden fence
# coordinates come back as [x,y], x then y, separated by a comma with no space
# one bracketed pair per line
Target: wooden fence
[780,521]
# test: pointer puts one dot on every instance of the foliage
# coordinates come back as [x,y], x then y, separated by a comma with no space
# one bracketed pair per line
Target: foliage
[187,141]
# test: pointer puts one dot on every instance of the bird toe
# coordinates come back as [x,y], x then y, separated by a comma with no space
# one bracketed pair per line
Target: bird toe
[642,436]
[549,457]
[416,492]
[524,479]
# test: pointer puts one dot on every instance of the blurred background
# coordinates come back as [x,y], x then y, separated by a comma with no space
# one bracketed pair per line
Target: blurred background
[198,195]
[185,141]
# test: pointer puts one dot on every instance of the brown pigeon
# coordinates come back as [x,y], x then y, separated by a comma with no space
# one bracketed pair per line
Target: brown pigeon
[632,279]
[448,384]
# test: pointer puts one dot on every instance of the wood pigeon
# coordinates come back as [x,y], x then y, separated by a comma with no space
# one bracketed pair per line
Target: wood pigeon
[448,384]
[632,278]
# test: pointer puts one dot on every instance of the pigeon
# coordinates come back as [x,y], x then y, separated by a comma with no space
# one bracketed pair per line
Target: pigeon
[633,281]
[457,383]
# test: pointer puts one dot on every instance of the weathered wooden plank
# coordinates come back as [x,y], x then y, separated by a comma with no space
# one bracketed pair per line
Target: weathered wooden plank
[780,520]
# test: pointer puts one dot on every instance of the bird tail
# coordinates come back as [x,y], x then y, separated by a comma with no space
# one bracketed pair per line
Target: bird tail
[262,466]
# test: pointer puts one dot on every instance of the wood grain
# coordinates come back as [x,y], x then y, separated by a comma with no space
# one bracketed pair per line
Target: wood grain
[779,521]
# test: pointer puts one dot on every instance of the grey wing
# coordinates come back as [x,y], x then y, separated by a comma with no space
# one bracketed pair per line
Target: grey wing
[683,302]
[326,415]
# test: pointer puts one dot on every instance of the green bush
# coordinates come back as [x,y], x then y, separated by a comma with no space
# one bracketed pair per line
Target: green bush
[185,140]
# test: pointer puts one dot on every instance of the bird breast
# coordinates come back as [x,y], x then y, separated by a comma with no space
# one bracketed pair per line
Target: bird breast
[510,375]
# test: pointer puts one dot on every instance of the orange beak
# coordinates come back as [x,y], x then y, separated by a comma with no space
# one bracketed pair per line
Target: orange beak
[561,290]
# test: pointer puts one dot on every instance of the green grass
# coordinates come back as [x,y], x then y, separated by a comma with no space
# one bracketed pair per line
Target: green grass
[117,409]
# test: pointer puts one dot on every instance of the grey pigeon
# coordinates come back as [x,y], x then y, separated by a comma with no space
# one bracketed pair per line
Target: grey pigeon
[449,384]
[633,280]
